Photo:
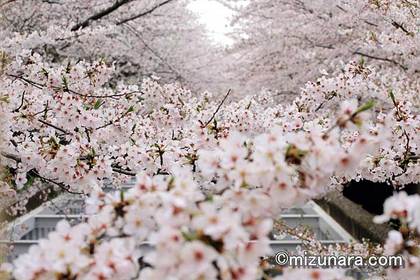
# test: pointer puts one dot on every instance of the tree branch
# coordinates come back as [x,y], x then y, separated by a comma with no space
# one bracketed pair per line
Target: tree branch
[5,3]
[155,53]
[382,58]
[62,186]
[217,110]
[21,103]
[36,174]
[122,171]
[32,83]
[11,156]
[100,15]
[54,126]
[144,13]
[41,86]
[117,119]
[400,26]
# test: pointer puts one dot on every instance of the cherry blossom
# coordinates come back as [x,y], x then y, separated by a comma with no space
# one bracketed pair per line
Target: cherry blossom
[213,171]
[400,206]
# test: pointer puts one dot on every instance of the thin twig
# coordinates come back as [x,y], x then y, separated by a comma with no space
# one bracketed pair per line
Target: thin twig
[155,53]
[326,99]
[32,83]
[21,103]
[383,59]
[116,120]
[217,110]
[5,3]
[400,26]
[54,126]
[60,185]
[41,86]
[99,15]
[122,171]
[144,13]
[11,156]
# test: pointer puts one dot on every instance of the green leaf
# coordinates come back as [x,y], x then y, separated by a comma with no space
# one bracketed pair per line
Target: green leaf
[98,104]
[44,72]
[4,99]
[367,106]
[189,236]
[65,82]
[131,109]
[391,94]
[29,182]
[210,197]
[68,67]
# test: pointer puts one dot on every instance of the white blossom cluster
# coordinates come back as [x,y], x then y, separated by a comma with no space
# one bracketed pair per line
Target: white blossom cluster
[131,33]
[213,177]
[283,44]
[404,209]
[212,173]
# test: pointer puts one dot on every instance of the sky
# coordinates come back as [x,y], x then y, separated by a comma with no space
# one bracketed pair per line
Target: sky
[215,17]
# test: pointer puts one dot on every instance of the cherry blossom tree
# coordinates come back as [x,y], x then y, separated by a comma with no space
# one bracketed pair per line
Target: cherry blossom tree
[213,174]
[283,44]
[143,38]
[209,211]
